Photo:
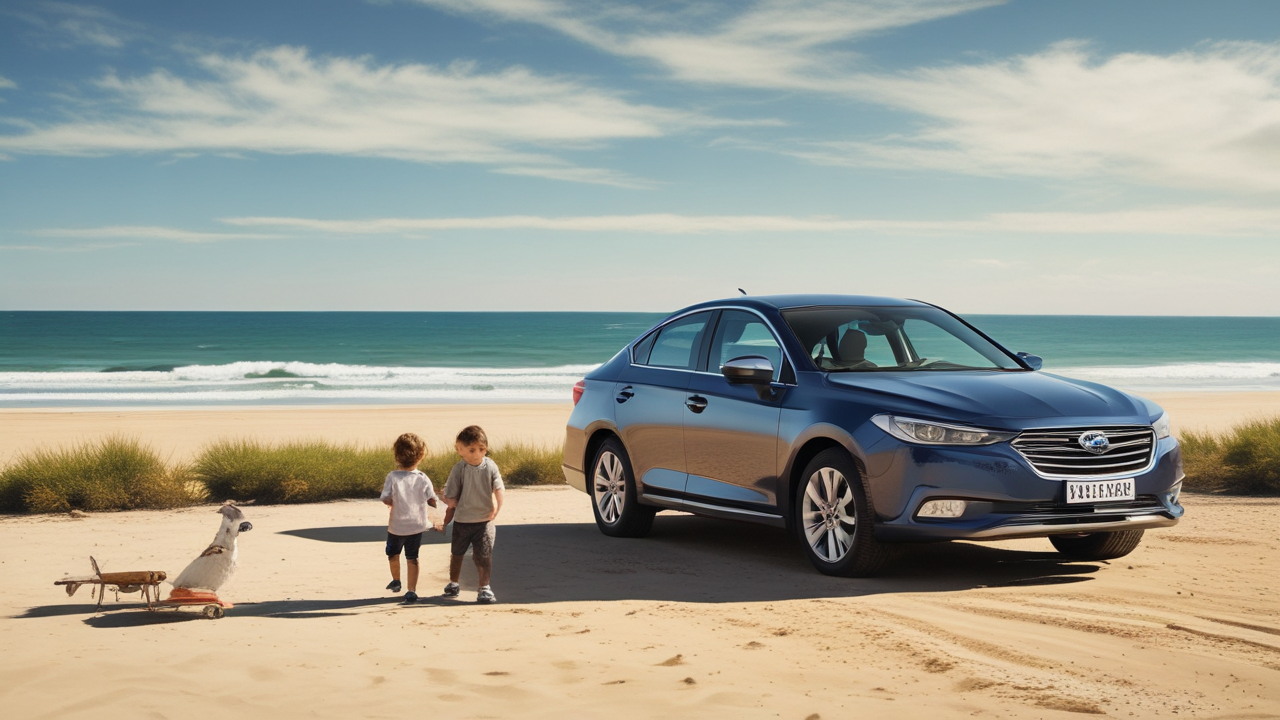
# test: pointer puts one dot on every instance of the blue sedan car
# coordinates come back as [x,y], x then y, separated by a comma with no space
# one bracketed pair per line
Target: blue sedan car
[860,422]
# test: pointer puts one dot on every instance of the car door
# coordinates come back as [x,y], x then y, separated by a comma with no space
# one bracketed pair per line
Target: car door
[651,400]
[731,430]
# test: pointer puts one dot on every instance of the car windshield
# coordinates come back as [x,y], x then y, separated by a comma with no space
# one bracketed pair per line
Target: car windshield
[880,339]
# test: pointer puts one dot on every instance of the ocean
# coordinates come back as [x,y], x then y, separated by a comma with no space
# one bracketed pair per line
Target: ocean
[61,359]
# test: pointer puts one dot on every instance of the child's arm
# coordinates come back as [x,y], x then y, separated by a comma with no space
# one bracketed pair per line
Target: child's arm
[385,497]
[497,507]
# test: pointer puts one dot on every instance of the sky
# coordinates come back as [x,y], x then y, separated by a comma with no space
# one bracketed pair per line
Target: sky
[1022,157]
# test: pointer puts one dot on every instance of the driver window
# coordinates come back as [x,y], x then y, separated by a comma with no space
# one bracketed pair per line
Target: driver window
[740,334]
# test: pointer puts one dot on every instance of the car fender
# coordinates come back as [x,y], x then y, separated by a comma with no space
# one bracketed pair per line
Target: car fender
[795,445]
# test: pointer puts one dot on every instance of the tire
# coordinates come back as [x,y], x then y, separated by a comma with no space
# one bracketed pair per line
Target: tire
[1097,546]
[614,499]
[838,542]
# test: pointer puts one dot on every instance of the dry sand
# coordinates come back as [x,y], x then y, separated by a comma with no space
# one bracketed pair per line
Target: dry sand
[181,433]
[704,618]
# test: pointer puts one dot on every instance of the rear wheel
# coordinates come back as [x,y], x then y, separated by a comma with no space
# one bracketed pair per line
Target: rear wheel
[1097,546]
[834,518]
[614,499]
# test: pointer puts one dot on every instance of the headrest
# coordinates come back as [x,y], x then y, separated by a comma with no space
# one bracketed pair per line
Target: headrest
[853,346]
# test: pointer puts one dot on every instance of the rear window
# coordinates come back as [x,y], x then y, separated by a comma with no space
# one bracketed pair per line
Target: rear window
[676,344]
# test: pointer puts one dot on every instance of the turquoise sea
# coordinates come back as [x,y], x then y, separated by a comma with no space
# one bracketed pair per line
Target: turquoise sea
[50,359]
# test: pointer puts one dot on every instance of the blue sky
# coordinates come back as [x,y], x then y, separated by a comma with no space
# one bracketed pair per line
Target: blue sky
[994,157]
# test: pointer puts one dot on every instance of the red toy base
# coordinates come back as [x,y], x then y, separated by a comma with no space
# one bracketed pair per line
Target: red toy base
[183,596]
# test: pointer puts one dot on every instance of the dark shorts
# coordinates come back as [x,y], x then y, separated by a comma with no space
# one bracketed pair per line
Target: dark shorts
[478,536]
[410,543]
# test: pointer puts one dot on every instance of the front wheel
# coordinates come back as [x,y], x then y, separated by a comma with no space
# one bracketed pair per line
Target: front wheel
[614,499]
[1097,546]
[834,517]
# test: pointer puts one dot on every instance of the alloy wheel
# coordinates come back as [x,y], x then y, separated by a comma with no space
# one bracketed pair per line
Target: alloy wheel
[609,487]
[828,517]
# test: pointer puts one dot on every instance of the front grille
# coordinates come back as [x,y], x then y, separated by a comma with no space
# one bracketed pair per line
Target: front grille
[1057,451]
[1140,505]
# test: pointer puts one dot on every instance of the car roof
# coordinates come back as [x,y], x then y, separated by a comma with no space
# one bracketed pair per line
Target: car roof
[787,302]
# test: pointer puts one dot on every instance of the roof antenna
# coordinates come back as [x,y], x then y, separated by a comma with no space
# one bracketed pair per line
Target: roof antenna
[744,292]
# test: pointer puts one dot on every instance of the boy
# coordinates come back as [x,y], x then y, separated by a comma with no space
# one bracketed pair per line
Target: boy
[408,492]
[474,495]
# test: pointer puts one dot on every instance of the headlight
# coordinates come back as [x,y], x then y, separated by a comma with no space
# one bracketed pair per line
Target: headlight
[1161,427]
[932,433]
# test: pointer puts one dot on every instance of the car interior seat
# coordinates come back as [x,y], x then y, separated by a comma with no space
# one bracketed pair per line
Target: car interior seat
[852,351]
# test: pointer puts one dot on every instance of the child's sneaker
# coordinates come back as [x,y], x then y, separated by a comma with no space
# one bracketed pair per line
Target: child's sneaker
[452,590]
[394,586]
[410,597]
[486,596]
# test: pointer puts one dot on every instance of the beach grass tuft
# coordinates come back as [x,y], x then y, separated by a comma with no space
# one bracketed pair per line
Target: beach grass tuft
[124,474]
[528,464]
[116,473]
[315,471]
[295,472]
[1242,461]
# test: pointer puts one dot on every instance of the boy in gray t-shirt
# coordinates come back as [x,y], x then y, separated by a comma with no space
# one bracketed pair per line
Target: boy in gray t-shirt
[474,495]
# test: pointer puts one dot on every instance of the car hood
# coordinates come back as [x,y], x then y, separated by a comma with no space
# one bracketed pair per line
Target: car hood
[1015,400]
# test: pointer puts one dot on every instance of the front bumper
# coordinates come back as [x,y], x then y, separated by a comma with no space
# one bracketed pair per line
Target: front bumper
[1007,499]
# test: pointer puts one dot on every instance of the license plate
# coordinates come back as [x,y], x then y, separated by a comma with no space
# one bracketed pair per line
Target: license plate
[1099,491]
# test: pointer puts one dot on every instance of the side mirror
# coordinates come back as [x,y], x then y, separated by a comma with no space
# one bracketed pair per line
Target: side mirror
[751,369]
[1035,362]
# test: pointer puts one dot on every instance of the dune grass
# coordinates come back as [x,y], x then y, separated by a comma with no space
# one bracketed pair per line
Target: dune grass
[310,471]
[316,471]
[125,474]
[1243,461]
[114,474]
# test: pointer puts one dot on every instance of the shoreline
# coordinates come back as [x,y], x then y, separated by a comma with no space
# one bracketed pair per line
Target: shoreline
[180,432]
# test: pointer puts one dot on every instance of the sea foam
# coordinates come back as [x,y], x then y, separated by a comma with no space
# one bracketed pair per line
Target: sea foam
[267,381]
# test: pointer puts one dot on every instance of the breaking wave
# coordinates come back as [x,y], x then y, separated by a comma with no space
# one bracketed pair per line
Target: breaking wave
[1183,376]
[266,382]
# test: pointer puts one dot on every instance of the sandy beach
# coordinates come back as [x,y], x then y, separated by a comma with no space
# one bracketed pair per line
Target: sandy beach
[704,618]
[181,433]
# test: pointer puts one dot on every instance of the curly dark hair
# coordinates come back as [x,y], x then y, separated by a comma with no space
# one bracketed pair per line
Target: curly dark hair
[409,449]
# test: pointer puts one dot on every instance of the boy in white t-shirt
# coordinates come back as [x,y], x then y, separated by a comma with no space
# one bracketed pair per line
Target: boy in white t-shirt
[408,493]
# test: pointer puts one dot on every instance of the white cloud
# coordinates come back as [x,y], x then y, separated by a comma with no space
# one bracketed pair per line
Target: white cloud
[1170,221]
[780,44]
[66,24]
[7,83]
[148,232]
[1205,118]
[284,101]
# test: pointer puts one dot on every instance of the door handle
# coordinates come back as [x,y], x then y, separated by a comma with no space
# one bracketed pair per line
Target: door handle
[696,403]
[625,394]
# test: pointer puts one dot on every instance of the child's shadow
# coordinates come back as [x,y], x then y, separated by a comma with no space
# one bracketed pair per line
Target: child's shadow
[363,534]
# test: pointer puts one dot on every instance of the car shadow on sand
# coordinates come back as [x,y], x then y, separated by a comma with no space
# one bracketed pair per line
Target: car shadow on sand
[687,558]
[684,559]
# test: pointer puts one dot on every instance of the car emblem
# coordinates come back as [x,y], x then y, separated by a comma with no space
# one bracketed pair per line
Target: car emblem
[1095,441]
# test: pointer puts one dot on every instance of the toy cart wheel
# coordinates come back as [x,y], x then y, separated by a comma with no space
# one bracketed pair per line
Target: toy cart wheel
[213,612]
